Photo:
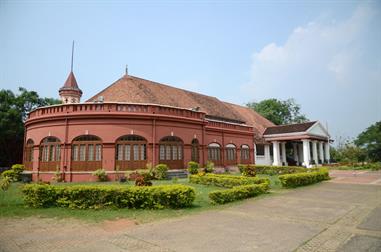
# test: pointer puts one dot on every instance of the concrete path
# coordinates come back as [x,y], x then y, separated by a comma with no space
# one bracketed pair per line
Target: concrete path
[330,216]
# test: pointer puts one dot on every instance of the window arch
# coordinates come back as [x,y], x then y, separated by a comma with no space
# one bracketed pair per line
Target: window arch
[231,154]
[171,152]
[28,154]
[50,154]
[86,153]
[214,153]
[245,154]
[131,152]
[195,156]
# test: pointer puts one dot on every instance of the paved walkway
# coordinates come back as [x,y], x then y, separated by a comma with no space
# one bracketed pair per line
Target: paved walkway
[331,216]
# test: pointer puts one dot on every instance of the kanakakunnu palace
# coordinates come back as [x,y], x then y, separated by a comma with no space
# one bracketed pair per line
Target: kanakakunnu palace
[135,121]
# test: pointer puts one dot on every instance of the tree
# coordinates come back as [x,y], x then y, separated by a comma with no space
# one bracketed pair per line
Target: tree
[279,112]
[370,141]
[13,112]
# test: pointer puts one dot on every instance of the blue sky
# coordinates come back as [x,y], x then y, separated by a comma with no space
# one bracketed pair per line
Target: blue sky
[325,54]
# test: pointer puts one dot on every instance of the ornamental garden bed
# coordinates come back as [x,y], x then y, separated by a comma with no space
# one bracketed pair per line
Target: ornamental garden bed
[209,191]
[12,204]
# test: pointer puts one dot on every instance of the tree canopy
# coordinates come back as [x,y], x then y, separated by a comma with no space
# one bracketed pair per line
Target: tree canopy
[278,111]
[370,141]
[13,112]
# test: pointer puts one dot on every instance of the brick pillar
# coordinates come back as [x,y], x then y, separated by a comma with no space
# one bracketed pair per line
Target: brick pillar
[108,157]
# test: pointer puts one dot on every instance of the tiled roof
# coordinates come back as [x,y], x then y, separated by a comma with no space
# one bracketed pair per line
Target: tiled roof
[136,90]
[252,118]
[290,128]
[70,83]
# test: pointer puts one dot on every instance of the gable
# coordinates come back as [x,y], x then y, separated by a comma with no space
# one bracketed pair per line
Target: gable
[318,130]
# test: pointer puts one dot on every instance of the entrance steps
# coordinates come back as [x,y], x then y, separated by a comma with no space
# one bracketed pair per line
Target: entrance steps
[177,174]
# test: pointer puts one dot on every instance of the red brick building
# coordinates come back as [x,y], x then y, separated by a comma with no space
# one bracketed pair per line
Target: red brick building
[134,122]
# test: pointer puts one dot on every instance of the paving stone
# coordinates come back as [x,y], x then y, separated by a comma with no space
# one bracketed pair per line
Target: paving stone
[360,243]
[373,221]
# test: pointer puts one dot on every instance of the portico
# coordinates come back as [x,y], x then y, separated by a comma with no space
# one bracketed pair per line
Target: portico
[303,144]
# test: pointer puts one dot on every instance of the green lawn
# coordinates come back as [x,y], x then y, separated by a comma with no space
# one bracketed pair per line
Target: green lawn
[11,205]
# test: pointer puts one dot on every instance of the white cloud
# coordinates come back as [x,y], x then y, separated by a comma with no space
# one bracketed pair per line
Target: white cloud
[332,68]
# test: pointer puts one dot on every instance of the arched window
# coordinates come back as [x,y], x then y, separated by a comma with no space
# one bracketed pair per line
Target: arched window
[195,157]
[171,152]
[231,154]
[86,153]
[245,154]
[131,153]
[214,153]
[50,154]
[28,155]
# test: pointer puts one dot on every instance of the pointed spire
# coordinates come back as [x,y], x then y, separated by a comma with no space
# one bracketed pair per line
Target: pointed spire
[72,57]
[70,92]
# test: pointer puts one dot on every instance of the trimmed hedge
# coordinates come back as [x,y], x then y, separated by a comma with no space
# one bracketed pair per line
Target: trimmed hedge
[228,181]
[304,178]
[278,170]
[100,196]
[237,193]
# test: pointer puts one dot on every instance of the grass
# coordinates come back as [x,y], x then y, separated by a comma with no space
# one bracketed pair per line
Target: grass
[12,205]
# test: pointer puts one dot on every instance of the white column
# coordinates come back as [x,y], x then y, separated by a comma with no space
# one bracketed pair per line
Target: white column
[276,154]
[314,152]
[306,153]
[295,149]
[267,154]
[284,157]
[300,152]
[321,152]
[326,149]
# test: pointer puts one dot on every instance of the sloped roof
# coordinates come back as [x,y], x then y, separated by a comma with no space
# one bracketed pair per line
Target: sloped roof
[252,118]
[137,90]
[290,128]
[71,83]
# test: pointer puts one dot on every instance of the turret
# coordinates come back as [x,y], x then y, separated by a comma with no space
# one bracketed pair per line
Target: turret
[70,92]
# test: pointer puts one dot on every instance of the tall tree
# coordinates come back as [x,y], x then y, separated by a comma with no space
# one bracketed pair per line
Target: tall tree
[13,112]
[370,141]
[278,111]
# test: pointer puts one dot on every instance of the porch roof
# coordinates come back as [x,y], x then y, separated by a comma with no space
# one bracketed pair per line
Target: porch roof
[299,131]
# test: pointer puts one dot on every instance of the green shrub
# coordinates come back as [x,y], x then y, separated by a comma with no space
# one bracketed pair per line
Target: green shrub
[241,167]
[237,193]
[228,181]
[18,168]
[11,174]
[193,167]
[100,196]
[305,178]
[248,170]
[5,182]
[14,173]
[209,168]
[375,166]
[278,170]
[161,171]
[101,175]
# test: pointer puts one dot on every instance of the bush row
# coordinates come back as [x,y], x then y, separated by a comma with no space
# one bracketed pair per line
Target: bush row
[99,196]
[304,178]
[270,170]
[238,193]
[228,181]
